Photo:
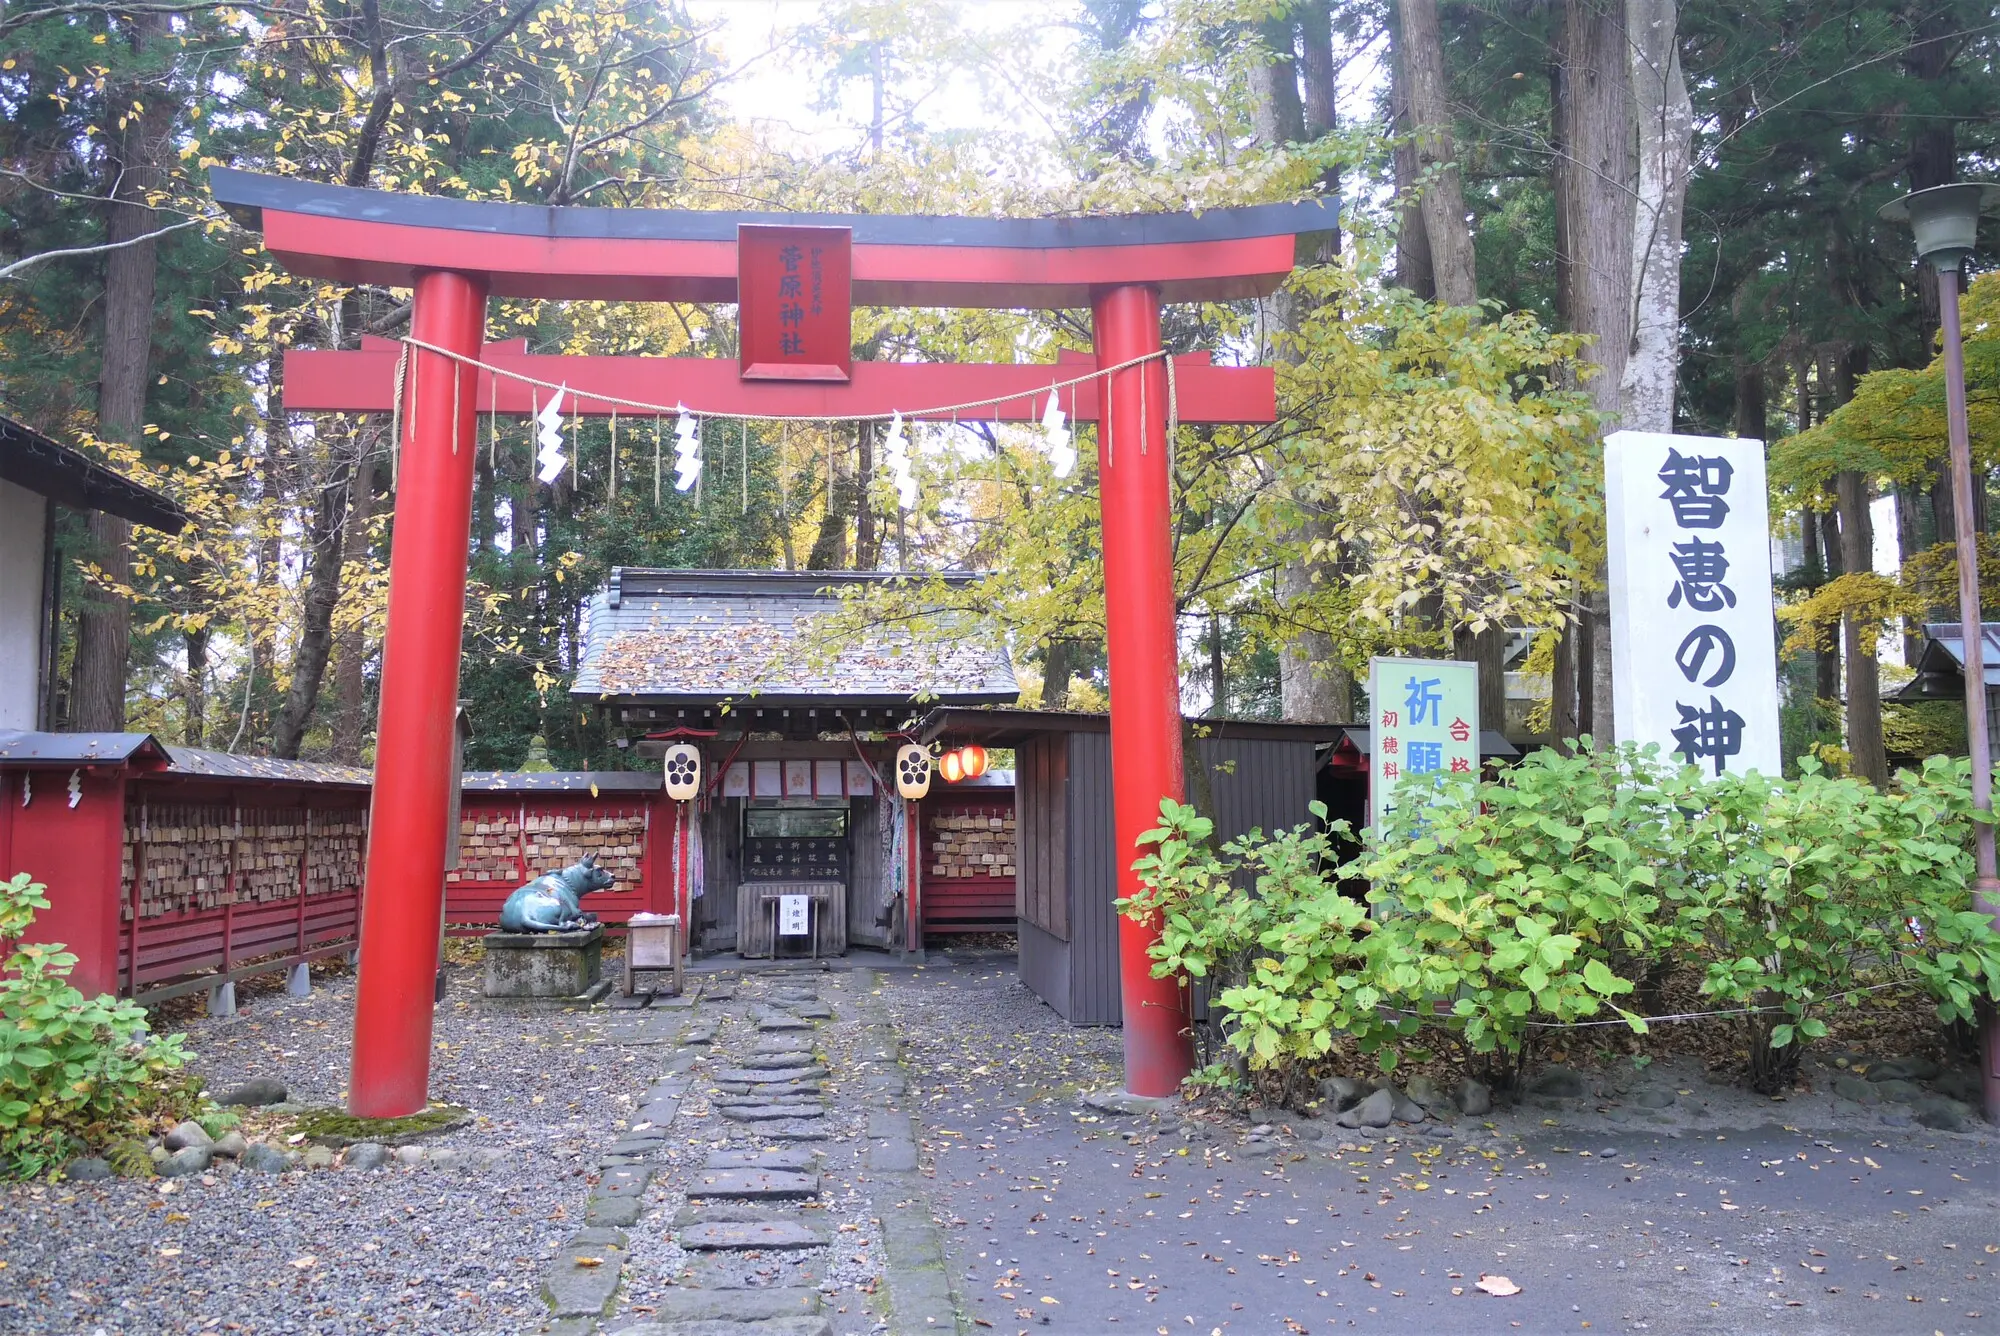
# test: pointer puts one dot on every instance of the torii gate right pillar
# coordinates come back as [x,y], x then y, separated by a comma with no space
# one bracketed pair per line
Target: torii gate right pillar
[1142,645]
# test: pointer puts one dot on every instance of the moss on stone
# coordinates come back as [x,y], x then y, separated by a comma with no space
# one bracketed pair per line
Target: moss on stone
[337,1127]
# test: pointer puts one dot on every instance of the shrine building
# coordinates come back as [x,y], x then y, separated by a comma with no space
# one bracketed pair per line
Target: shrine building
[797,742]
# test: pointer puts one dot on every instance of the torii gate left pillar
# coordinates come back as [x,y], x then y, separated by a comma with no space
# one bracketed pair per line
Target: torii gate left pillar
[455,254]
[402,902]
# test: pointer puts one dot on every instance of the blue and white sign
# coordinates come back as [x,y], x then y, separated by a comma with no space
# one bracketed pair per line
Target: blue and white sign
[1694,654]
[1423,723]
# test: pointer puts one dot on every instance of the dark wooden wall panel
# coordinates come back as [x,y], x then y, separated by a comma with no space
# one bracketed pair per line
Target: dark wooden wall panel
[1093,883]
[1255,783]
[1040,779]
[1044,966]
[868,897]
[715,913]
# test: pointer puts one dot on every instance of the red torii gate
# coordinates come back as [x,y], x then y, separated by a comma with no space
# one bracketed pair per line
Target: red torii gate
[455,254]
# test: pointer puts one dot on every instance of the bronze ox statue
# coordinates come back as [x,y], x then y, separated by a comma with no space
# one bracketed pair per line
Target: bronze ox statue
[552,901]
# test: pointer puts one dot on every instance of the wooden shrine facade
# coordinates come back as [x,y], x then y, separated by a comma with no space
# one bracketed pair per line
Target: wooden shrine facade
[797,725]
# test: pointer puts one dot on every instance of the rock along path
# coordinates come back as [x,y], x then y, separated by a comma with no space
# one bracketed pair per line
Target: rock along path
[766,1184]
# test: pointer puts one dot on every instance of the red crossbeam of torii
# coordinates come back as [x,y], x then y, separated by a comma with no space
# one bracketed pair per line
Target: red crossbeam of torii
[364,381]
[454,255]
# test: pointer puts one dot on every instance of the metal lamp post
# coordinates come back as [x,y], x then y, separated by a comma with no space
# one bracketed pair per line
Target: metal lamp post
[1945,220]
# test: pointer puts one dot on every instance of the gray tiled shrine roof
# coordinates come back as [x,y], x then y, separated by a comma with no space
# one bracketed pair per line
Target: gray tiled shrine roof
[697,636]
[26,748]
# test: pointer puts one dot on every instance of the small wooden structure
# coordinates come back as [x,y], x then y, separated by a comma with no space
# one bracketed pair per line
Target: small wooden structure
[971,851]
[37,475]
[172,869]
[1941,671]
[653,946]
[1257,775]
[796,736]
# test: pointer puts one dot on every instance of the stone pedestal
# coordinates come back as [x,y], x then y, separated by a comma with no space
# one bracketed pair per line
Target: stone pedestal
[543,964]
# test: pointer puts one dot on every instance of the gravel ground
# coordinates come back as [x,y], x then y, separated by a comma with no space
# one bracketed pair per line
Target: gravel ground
[849,1272]
[334,1251]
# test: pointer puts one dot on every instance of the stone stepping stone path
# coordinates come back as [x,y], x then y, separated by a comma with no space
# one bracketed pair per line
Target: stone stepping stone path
[766,1182]
[770,1113]
[746,1184]
[749,1235]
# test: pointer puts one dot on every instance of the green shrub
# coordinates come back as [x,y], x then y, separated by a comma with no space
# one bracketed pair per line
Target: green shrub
[1554,895]
[1277,961]
[74,1070]
[1803,897]
[1528,903]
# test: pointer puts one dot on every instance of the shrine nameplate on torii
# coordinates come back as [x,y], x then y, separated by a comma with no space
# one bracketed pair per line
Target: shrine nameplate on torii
[795,364]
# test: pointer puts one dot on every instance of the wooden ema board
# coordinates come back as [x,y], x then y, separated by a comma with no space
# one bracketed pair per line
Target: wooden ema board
[513,846]
[969,865]
[977,843]
[206,856]
[211,886]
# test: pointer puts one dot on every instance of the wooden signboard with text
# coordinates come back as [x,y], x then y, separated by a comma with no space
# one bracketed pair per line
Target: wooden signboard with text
[795,291]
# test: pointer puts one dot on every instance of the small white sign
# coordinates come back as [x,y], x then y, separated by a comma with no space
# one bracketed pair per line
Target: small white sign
[1423,721]
[1694,654]
[792,918]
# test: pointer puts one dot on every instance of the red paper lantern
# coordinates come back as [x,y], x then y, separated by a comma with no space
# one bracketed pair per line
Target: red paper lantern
[951,768]
[974,761]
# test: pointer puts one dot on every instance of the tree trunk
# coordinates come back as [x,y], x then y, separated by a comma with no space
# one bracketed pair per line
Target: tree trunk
[1218,675]
[1277,113]
[1414,269]
[1665,119]
[104,622]
[1933,144]
[1320,80]
[1488,650]
[829,549]
[867,549]
[1908,544]
[1453,258]
[350,682]
[1564,724]
[194,718]
[1058,668]
[1314,685]
[1752,415]
[1864,684]
[1821,536]
[1420,50]
[326,558]
[1595,176]
[482,499]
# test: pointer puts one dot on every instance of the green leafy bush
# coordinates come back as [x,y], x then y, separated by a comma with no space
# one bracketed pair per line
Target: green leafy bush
[1278,960]
[1803,896]
[1555,895]
[74,1070]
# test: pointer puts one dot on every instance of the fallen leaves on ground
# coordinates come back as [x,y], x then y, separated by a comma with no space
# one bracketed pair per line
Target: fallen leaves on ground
[1498,1286]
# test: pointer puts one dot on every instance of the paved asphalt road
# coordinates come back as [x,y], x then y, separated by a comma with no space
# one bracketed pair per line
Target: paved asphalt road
[1058,1220]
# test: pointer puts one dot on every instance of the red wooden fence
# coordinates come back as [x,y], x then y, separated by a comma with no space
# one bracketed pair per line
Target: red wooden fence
[171,869]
